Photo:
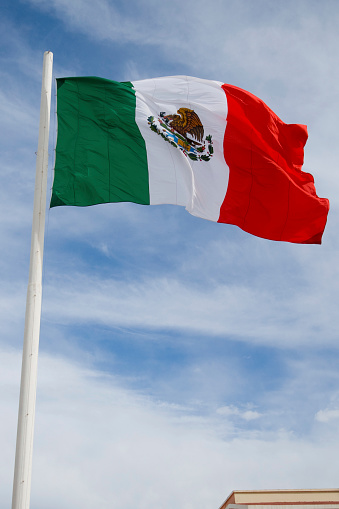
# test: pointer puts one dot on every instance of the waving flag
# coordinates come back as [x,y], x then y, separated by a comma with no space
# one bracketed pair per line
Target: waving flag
[213,148]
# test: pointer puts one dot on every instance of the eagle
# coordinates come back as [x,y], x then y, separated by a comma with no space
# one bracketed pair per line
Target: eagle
[186,122]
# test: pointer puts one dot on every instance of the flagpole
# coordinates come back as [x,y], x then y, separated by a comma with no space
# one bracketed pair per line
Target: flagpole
[25,432]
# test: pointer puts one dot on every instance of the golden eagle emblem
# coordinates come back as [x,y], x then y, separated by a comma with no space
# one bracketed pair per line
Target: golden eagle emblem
[184,130]
[186,122]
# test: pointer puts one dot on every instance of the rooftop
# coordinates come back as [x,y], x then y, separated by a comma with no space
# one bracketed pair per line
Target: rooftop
[282,497]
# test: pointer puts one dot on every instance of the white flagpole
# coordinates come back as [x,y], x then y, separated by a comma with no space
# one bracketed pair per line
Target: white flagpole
[24,444]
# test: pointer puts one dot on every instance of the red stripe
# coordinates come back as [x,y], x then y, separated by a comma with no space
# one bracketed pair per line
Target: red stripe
[268,195]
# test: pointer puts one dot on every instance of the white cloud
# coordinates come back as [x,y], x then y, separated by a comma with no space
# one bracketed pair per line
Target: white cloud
[241,311]
[327,415]
[16,112]
[99,19]
[99,443]
[247,415]
[225,37]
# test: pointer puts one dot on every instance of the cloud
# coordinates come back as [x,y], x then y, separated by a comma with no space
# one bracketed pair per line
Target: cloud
[17,112]
[237,310]
[247,415]
[88,16]
[327,415]
[110,446]
[236,35]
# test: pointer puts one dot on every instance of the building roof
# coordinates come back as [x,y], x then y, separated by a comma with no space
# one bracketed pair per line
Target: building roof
[282,497]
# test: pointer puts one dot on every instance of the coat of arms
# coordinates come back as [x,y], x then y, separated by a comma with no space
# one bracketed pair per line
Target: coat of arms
[185,131]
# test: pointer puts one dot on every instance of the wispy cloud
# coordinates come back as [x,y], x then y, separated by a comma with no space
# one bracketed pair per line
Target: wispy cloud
[99,439]
[327,415]
[247,415]
[234,310]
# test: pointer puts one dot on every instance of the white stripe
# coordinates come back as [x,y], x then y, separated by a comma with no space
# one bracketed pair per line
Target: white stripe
[200,186]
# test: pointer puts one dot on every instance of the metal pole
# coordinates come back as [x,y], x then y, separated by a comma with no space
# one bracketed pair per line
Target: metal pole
[24,444]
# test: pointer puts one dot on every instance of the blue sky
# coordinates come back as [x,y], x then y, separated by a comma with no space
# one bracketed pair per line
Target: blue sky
[179,359]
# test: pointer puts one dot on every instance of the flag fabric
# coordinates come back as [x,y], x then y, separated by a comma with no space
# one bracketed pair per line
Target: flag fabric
[213,148]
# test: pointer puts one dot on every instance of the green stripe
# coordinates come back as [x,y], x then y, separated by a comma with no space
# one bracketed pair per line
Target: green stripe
[100,153]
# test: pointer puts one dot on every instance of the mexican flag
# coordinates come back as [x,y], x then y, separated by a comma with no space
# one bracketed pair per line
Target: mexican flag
[213,148]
